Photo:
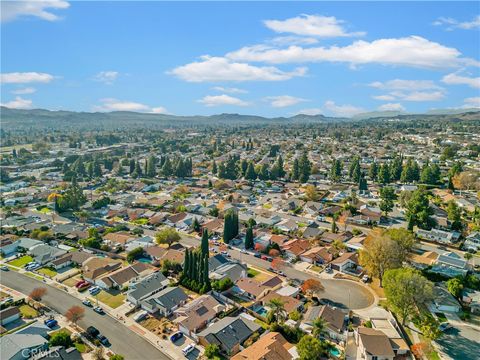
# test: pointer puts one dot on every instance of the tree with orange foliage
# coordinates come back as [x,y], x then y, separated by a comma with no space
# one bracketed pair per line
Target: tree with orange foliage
[37,293]
[259,247]
[274,253]
[311,286]
[75,314]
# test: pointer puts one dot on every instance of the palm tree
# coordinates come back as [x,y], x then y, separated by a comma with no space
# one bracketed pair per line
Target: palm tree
[319,327]
[82,215]
[278,309]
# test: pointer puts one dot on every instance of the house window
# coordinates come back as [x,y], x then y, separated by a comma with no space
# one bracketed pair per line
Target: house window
[374,357]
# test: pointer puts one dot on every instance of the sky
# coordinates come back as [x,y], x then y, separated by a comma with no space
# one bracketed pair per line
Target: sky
[262,58]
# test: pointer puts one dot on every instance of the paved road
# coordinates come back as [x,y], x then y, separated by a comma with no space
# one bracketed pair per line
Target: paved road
[460,342]
[124,341]
[342,293]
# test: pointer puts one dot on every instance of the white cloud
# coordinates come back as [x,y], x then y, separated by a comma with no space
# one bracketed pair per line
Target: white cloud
[473,102]
[284,100]
[111,104]
[452,24]
[311,111]
[391,107]
[25,77]
[24,91]
[18,103]
[455,79]
[230,90]
[292,40]
[107,77]
[409,90]
[413,51]
[220,100]
[400,84]
[342,110]
[311,25]
[221,69]
[37,8]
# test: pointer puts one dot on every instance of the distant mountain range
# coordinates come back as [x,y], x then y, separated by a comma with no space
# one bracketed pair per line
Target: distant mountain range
[12,119]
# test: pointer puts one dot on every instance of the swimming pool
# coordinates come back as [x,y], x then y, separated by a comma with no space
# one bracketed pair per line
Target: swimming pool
[335,352]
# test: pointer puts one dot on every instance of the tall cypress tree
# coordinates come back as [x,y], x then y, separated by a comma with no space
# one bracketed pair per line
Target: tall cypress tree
[204,245]
[186,264]
[206,279]
[249,238]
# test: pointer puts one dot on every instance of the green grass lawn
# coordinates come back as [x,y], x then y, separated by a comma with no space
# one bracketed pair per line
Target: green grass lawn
[65,330]
[32,275]
[252,272]
[28,312]
[111,300]
[21,261]
[316,268]
[45,210]
[82,348]
[48,272]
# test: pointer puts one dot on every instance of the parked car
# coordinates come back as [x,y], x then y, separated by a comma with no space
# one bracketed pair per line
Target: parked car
[99,310]
[94,290]
[176,336]
[140,316]
[80,283]
[5,268]
[103,339]
[93,331]
[444,326]
[188,349]
[83,287]
[51,323]
[365,278]
[257,255]
[87,302]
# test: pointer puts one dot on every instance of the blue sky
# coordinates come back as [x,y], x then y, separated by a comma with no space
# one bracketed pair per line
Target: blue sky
[265,58]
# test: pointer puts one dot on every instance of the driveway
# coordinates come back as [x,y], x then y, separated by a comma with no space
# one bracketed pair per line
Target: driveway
[124,341]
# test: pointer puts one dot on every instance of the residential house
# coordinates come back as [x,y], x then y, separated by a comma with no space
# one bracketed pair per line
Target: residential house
[8,244]
[450,264]
[145,287]
[70,258]
[472,241]
[333,317]
[373,344]
[26,243]
[118,238]
[122,277]
[21,346]
[390,328]
[197,314]
[9,315]
[440,236]
[165,302]
[347,263]
[287,225]
[317,255]
[251,288]
[443,301]
[271,346]
[214,227]
[43,253]
[228,334]
[289,303]
[356,243]
[96,267]
[329,237]
[294,248]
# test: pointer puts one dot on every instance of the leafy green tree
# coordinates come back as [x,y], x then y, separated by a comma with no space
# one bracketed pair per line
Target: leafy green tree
[336,170]
[230,228]
[405,288]
[430,174]
[61,338]
[212,351]
[167,236]
[319,327]
[454,214]
[387,196]
[455,287]
[362,183]
[310,348]
[135,254]
[429,327]
[384,250]
[384,174]
[396,168]
[214,167]
[418,210]
[278,308]
[196,225]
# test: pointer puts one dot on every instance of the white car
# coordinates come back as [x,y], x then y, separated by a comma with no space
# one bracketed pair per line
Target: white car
[188,349]
[94,290]
[365,278]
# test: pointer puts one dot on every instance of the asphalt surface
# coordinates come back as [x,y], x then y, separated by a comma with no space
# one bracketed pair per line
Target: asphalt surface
[123,340]
[460,342]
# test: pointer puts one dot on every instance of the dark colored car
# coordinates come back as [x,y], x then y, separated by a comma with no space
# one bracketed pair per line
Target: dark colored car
[93,331]
[257,255]
[103,339]
[51,323]
[176,336]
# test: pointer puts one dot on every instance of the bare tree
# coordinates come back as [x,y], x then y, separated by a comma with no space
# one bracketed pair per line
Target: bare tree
[75,314]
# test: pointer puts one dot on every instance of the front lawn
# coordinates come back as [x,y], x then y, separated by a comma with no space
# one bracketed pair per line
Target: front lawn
[21,261]
[48,272]
[252,272]
[82,348]
[28,312]
[111,300]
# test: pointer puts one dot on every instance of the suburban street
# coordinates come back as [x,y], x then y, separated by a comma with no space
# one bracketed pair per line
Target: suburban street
[341,293]
[124,341]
